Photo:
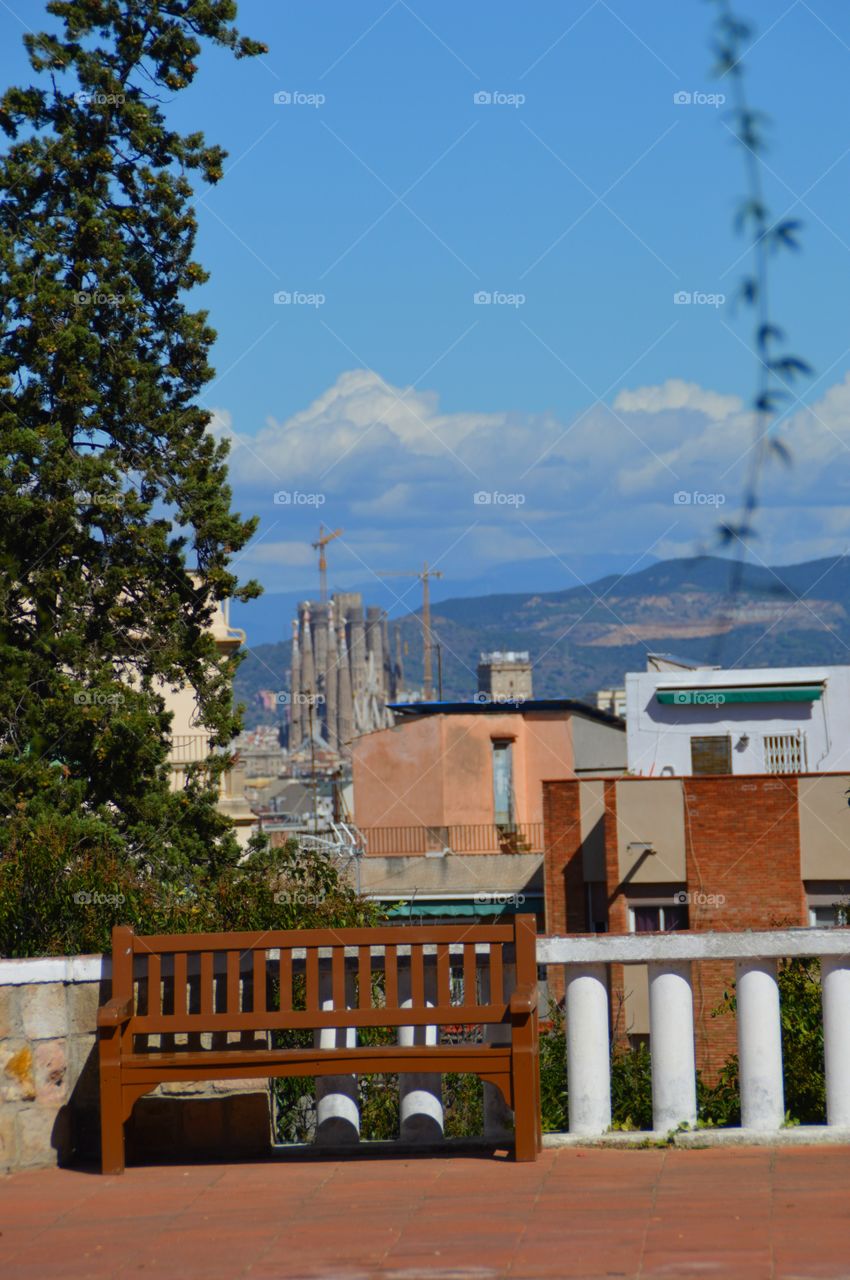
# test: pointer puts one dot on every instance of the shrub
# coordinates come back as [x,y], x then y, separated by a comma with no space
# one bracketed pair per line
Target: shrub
[64,883]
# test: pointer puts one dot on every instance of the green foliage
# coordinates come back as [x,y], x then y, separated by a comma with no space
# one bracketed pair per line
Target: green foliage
[802,1041]
[65,883]
[116,533]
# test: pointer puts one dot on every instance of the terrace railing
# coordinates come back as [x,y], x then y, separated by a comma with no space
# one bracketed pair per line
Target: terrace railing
[669,958]
[520,837]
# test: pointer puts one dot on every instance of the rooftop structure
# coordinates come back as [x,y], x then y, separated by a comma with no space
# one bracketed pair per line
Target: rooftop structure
[505,676]
[706,720]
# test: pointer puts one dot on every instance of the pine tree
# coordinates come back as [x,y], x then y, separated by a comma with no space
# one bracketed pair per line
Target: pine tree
[116,532]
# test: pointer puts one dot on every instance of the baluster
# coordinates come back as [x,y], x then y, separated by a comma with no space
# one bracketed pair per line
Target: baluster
[588,1049]
[759,1045]
[671,1041]
[835,992]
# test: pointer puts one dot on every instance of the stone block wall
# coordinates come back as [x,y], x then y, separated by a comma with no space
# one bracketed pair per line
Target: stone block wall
[49,1096]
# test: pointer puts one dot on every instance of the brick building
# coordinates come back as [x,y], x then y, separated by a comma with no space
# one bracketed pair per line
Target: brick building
[706,853]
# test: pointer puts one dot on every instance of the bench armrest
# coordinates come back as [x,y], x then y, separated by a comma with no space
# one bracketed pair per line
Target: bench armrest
[524,999]
[115,1012]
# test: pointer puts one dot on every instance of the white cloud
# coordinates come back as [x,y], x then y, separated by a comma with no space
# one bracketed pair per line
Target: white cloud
[398,473]
[676,394]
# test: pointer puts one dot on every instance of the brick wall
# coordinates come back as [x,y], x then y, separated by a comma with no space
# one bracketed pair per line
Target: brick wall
[743,871]
[742,849]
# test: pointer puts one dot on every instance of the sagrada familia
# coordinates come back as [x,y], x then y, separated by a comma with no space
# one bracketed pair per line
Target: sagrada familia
[342,674]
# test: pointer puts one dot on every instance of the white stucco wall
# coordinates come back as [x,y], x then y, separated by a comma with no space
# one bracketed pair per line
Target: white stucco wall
[659,735]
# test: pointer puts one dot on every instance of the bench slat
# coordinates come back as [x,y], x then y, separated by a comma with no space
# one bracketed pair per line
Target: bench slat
[438,1015]
[391,977]
[497,977]
[259,984]
[180,985]
[417,976]
[207,989]
[154,985]
[395,935]
[284,968]
[312,983]
[444,975]
[338,977]
[470,996]
[263,1063]
[364,977]
[233,960]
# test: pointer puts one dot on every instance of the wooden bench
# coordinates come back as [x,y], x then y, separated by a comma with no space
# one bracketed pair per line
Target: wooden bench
[199,1007]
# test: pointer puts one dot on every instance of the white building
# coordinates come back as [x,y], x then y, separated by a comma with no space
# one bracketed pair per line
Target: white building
[684,720]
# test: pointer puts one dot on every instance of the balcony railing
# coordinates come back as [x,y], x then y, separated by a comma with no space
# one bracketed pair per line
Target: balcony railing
[671,1018]
[189,748]
[521,837]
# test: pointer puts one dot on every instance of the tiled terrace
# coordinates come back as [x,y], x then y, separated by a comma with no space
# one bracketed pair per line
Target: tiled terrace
[760,1213]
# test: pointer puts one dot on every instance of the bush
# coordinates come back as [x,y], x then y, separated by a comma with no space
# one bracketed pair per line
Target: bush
[64,883]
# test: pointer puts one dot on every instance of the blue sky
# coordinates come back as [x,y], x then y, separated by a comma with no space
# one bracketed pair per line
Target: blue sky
[383,197]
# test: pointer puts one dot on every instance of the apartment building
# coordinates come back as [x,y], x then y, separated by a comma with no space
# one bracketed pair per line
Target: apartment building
[684,719]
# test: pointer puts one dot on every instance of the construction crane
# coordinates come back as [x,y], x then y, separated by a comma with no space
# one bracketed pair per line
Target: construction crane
[319,545]
[424,575]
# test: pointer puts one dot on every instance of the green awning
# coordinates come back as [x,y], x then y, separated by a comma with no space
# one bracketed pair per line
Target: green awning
[721,697]
[406,910]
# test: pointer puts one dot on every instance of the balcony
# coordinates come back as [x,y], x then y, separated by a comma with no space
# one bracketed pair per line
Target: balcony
[523,837]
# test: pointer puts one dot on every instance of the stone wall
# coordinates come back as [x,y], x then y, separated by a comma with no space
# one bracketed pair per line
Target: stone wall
[49,1100]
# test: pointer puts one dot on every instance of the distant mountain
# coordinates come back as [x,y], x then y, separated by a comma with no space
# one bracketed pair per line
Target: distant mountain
[267,619]
[587,637]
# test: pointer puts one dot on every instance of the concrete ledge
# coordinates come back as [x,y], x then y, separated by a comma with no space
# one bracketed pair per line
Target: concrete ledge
[804,1135]
[17,973]
[640,948]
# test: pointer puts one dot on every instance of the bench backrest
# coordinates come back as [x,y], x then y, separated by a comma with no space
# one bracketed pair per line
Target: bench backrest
[404,975]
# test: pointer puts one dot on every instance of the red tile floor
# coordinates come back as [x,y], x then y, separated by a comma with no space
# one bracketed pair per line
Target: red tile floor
[782,1214]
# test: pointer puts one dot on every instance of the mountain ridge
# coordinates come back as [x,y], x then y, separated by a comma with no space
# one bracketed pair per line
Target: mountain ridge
[586,637]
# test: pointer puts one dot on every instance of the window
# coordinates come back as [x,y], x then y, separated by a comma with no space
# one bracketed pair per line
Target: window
[785,752]
[645,917]
[503,806]
[712,754]
[828,917]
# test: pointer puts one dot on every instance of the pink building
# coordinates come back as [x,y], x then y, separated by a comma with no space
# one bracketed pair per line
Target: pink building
[467,777]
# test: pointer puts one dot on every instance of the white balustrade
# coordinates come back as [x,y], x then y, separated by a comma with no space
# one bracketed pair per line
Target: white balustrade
[669,957]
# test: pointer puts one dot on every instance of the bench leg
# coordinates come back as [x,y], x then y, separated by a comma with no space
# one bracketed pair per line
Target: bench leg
[526,1120]
[111,1123]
